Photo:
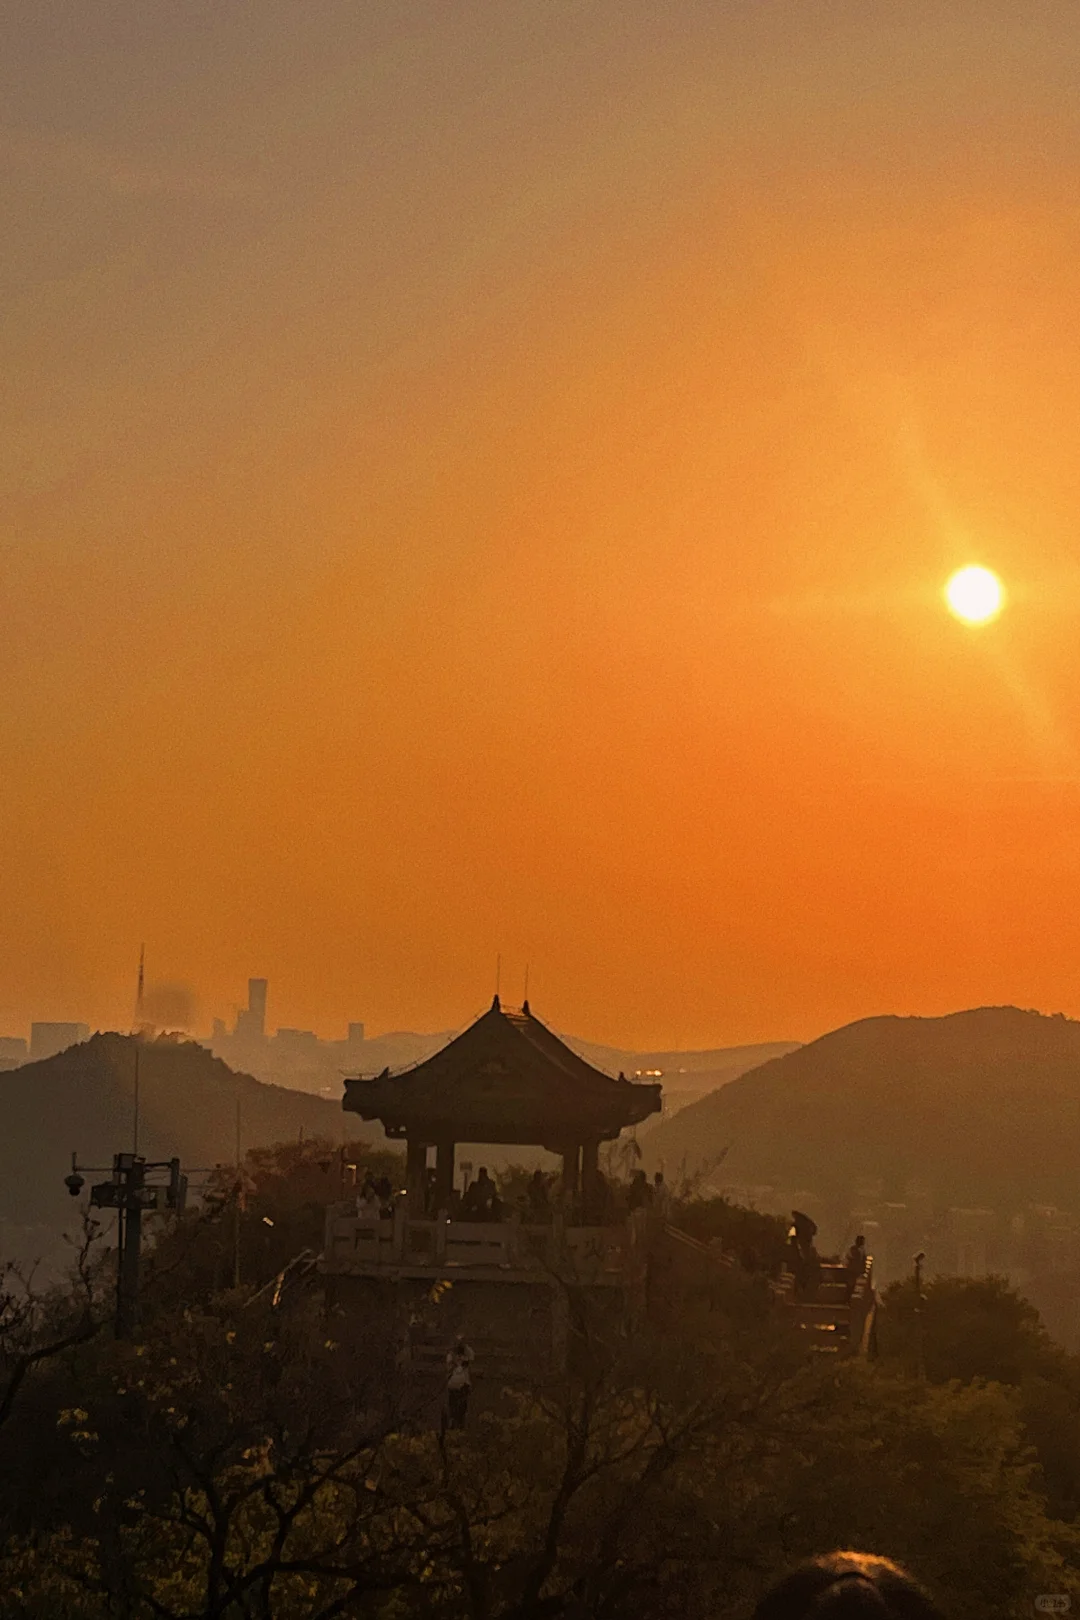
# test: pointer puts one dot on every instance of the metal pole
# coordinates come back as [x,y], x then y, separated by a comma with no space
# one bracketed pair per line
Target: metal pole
[135,1133]
[920,1349]
[127,1300]
[119,1320]
[239,1200]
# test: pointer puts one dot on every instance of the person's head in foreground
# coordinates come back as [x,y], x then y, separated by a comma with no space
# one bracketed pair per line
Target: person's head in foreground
[847,1586]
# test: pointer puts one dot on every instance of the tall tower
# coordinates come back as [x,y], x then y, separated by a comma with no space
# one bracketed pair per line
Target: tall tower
[256,1019]
[140,987]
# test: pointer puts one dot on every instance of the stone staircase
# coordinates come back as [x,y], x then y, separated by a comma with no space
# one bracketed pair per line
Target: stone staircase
[834,1323]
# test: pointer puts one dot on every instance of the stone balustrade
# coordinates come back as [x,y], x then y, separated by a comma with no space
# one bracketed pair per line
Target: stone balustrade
[365,1245]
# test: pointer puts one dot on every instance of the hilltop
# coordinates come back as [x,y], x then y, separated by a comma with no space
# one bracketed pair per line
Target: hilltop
[82,1099]
[980,1106]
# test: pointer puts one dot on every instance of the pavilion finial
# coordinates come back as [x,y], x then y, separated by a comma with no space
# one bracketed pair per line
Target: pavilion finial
[526,1008]
[495,1007]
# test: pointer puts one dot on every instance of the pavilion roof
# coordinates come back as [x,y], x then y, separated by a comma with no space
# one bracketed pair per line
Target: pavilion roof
[507,1078]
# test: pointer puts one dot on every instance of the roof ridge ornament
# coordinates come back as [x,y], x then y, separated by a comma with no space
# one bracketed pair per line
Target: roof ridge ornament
[495,1006]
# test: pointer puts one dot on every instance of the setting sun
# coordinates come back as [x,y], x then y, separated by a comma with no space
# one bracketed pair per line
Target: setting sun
[975,594]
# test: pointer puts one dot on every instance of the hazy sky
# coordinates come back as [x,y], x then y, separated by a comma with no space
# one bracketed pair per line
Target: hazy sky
[478,476]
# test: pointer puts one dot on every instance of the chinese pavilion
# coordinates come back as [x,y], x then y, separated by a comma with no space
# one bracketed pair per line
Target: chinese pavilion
[506,1079]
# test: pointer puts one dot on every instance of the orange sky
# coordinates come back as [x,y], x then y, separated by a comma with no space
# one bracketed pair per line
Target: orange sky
[480,479]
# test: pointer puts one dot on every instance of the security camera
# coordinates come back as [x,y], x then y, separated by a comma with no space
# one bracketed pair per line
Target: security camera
[74,1183]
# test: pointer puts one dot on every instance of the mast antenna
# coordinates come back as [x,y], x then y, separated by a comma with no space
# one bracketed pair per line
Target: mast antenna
[140,987]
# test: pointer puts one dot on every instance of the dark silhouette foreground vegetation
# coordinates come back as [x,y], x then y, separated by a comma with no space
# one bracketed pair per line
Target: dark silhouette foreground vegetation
[240,1460]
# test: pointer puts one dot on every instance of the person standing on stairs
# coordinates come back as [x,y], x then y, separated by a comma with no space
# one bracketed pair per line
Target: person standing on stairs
[855,1260]
[804,1260]
[459,1362]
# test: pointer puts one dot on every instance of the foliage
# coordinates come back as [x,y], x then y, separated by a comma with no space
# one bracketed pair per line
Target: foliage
[37,1327]
[979,1328]
[240,1461]
[279,1201]
[757,1240]
[972,1327]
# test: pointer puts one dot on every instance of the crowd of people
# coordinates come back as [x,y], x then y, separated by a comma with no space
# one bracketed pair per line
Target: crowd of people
[604,1202]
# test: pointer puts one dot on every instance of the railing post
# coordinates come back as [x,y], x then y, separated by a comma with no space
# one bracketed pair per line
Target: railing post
[442,1221]
[401,1217]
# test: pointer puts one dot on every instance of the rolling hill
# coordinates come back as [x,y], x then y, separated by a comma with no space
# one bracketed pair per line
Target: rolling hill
[82,1099]
[978,1107]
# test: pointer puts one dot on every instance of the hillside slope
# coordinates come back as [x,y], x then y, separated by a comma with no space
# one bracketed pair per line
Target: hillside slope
[82,1099]
[980,1106]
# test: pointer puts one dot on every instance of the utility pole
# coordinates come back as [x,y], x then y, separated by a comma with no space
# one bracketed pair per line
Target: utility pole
[140,988]
[130,1194]
[920,1300]
[239,1201]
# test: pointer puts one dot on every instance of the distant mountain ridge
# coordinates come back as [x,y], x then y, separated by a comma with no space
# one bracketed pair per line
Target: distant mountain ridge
[679,1065]
[978,1106]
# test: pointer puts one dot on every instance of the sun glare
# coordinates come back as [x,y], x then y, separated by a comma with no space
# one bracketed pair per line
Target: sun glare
[975,594]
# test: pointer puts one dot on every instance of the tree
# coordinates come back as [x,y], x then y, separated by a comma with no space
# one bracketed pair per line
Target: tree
[38,1326]
[972,1327]
[239,1462]
[758,1240]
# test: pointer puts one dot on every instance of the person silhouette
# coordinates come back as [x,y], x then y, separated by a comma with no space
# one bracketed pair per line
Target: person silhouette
[847,1586]
[459,1362]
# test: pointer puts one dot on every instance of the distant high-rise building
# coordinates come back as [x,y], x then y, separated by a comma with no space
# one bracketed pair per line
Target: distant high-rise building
[251,1023]
[355,1036]
[48,1039]
[257,989]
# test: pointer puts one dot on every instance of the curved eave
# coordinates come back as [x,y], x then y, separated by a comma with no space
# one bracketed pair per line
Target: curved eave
[390,1102]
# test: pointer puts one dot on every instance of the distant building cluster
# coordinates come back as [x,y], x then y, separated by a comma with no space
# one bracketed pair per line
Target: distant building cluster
[289,1056]
[46,1040]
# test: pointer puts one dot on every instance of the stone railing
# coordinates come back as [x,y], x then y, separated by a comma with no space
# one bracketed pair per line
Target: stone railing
[364,1243]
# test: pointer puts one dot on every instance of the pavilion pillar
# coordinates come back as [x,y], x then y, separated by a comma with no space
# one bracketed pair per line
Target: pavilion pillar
[444,1173]
[590,1180]
[415,1175]
[571,1183]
